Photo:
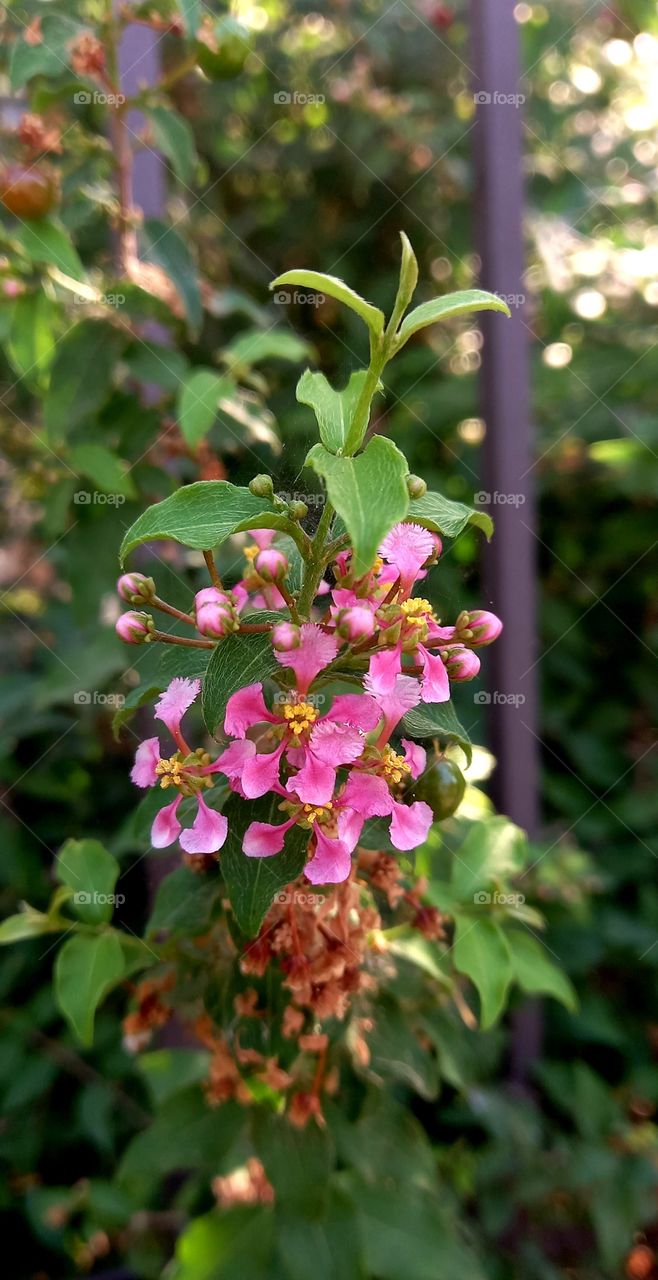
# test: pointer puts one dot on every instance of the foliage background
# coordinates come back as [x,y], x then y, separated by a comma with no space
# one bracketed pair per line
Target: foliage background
[559,1178]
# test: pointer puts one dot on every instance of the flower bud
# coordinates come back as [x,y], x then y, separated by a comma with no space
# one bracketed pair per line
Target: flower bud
[133,627]
[416,487]
[271,564]
[486,628]
[297,510]
[286,636]
[356,623]
[215,613]
[261,486]
[135,588]
[461,663]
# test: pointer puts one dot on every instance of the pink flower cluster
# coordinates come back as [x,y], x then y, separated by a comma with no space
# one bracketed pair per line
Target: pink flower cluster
[331,771]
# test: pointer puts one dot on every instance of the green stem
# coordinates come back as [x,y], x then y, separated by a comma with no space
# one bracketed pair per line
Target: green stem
[315,563]
[359,423]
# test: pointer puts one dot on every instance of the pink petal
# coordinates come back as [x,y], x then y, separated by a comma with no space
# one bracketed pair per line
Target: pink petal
[233,760]
[350,826]
[367,794]
[240,595]
[261,773]
[358,709]
[166,827]
[146,757]
[244,709]
[315,782]
[407,547]
[439,635]
[335,743]
[384,669]
[435,681]
[174,702]
[405,695]
[332,862]
[208,831]
[415,757]
[262,839]
[410,824]
[316,650]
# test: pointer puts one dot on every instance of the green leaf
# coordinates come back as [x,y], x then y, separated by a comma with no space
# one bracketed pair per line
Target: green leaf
[534,970]
[494,850]
[191,15]
[374,318]
[237,661]
[91,872]
[397,1054]
[46,241]
[481,952]
[108,472]
[453,304]
[198,401]
[202,515]
[252,882]
[185,1134]
[81,378]
[334,410]
[184,903]
[369,493]
[149,362]
[437,720]
[174,138]
[409,1232]
[298,1162]
[49,58]
[234,1245]
[333,1241]
[32,338]
[165,248]
[449,518]
[86,968]
[271,344]
[137,698]
[167,1071]
[28,923]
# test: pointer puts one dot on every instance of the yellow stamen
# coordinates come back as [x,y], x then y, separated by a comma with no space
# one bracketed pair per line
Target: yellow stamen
[251,552]
[394,767]
[300,716]
[415,607]
[317,813]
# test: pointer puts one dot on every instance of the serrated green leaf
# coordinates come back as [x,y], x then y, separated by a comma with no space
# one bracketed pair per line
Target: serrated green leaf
[198,400]
[46,241]
[369,493]
[174,138]
[86,969]
[481,952]
[202,515]
[237,661]
[320,283]
[535,971]
[446,517]
[91,873]
[251,883]
[437,720]
[453,304]
[334,410]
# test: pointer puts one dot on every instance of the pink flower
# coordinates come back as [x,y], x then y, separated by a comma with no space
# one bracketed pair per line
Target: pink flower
[370,796]
[314,745]
[271,564]
[286,636]
[461,663]
[407,547]
[215,613]
[404,695]
[135,588]
[190,772]
[315,651]
[356,623]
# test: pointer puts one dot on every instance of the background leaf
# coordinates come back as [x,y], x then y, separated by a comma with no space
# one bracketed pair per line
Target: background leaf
[86,968]
[252,882]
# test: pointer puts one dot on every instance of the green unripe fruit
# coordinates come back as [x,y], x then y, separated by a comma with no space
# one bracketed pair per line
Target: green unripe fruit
[222,50]
[442,787]
[297,510]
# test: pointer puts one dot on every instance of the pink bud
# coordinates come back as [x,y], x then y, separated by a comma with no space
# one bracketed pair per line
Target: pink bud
[271,564]
[357,623]
[134,588]
[486,628]
[461,663]
[214,612]
[133,627]
[285,637]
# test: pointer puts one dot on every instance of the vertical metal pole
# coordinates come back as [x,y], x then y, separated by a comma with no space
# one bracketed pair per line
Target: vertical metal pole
[510,561]
[139,63]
